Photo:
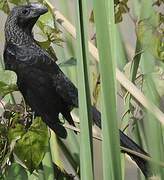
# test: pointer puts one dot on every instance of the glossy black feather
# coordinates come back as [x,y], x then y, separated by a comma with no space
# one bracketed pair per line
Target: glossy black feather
[43,85]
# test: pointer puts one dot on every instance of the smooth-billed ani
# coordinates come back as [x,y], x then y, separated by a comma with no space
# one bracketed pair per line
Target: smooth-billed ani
[43,85]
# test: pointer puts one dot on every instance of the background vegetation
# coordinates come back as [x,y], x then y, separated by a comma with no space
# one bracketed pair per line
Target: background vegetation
[129,36]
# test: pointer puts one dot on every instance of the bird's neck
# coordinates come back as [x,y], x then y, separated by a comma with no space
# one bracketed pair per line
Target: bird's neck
[16,34]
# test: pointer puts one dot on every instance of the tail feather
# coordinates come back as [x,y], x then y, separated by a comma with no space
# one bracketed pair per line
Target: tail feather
[126,142]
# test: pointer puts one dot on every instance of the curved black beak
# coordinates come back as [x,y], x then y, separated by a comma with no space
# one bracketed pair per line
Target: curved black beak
[39,8]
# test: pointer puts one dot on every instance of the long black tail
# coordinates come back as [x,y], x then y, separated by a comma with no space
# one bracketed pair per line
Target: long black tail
[126,142]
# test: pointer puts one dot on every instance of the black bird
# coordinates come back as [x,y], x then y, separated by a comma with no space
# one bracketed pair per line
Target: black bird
[43,85]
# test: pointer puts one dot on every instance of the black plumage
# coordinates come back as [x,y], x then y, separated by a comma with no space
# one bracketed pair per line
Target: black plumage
[43,85]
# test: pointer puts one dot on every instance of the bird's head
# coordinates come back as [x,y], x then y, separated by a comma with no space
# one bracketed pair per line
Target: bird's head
[19,24]
[27,15]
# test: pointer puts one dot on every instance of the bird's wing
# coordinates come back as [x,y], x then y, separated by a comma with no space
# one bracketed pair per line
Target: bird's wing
[38,58]
[66,89]
[35,84]
[62,85]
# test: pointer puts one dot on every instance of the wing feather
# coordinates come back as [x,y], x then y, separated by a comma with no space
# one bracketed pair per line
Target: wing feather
[66,89]
[36,57]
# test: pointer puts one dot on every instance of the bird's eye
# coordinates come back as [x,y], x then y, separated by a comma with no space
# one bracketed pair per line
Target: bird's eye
[25,11]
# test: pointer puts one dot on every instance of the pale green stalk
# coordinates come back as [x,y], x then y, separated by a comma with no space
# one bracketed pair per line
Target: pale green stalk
[86,159]
[105,31]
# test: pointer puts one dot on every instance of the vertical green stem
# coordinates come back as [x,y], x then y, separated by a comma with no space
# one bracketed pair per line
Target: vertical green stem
[105,31]
[86,163]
